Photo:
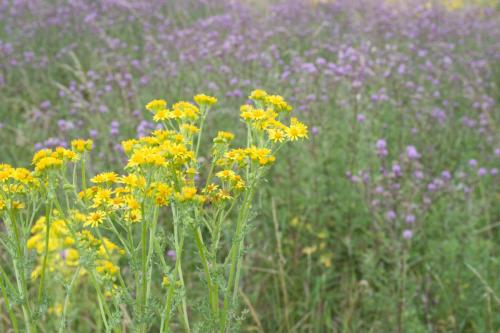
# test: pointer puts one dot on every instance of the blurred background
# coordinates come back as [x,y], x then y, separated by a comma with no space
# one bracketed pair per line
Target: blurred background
[384,221]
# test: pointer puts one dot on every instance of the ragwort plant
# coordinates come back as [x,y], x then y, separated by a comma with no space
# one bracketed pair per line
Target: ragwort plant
[109,234]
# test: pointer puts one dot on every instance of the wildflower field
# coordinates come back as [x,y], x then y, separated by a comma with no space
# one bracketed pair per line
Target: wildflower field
[249,166]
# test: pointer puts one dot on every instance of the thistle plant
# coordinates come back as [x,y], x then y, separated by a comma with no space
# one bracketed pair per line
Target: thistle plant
[111,233]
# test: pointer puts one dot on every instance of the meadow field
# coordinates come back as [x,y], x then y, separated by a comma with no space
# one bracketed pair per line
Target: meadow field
[249,166]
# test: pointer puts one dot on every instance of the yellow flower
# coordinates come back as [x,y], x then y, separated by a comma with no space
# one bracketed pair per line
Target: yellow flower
[224,137]
[161,115]
[56,309]
[156,105]
[128,145]
[189,129]
[23,175]
[16,205]
[132,203]
[258,95]
[278,103]
[41,154]
[261,155]
[163,193]
[80,145]
[297,130]
[102,197]
[47,163]
[105,177]
[94,219]
[185,110]
[165,282]
[132,180]
[276,135]
[202,99]
[187,193]
[223,195]
[107,268]
[146,156]
[65,154]
[308,250]
[326,260]
[226,175]
[133,216]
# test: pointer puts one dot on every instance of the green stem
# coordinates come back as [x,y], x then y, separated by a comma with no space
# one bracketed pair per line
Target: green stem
[7,304]
[213,297]
[62,325]
[143,274]
[20,276]
[84,180]
[202,122]
[48,214]
[104,311]
[235,256]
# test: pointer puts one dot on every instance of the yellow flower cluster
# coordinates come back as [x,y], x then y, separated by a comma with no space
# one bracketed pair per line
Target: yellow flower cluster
[63,256]
[47,159]
[267,117]
[202,99]
[81,146]
[275,102]
[181,112]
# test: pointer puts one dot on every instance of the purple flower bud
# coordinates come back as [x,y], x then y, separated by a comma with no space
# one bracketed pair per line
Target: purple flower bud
[418,174]
[390,215]
[494,171]
[314,130]
[472,163]
[361,118]
[381,148]
[93,133]
[482,172]
[396,168]
[171,254]
[380,144]
[446,175]
[412,153]
[410,219]
[45,105]
[103,109]
[63,254]
[407,234]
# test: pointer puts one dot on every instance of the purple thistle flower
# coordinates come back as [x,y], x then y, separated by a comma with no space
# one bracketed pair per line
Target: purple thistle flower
[391,215]
[171,254]
[407,234]
[412,153]
[410,219]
